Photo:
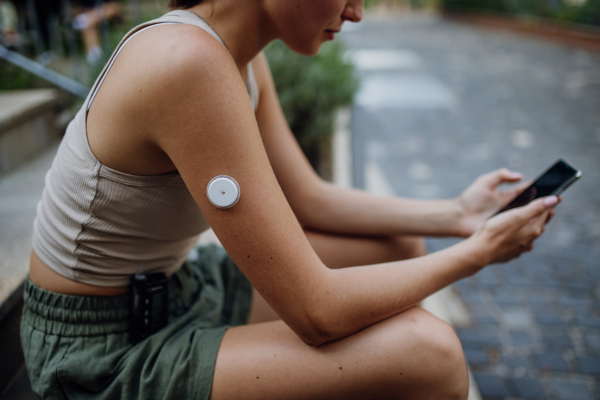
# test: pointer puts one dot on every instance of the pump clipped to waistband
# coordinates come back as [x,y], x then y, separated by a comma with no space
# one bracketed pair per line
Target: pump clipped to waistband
[150,304]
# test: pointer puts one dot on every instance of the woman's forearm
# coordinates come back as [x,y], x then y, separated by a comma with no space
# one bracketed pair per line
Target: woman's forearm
[350,299]
[352,211]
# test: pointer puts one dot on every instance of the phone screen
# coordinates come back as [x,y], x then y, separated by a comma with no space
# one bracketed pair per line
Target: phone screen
[552,182]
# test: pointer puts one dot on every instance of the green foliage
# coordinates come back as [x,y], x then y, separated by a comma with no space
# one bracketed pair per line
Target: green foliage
[566,11]
[15,78]
[413,4]
[311,89]
[587,13]
[373,3]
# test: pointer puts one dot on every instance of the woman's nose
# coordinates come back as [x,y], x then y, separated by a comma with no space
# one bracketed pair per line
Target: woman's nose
[353,11]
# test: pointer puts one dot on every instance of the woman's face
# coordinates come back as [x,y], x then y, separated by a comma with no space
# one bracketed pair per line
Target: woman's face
[305,24]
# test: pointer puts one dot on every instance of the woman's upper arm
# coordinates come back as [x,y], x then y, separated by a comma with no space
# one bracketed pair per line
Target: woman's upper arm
[297,178]
[206,126]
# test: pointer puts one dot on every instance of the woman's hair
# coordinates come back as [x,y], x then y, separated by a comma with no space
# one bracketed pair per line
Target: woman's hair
[173,4]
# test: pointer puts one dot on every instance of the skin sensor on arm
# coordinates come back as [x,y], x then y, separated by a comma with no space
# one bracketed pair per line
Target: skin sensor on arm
[223,191]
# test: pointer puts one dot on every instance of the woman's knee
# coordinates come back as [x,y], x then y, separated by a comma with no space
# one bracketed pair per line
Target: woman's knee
[444,367]
[435,362]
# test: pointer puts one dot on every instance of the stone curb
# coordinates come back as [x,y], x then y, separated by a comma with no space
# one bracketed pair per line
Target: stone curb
[19,106]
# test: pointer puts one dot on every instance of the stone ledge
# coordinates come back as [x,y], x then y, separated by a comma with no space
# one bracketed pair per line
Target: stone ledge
[29,123]
[19,106]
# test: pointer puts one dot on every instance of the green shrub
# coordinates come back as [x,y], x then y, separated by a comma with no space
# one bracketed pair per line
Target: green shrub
[15,78]
[311,90]
[584,12]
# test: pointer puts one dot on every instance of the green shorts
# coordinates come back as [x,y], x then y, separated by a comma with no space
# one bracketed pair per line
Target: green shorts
[77,347]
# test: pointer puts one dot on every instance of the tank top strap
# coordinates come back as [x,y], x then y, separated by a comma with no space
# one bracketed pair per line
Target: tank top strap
[110,63]
[173,17]
[252,87]
[187,17]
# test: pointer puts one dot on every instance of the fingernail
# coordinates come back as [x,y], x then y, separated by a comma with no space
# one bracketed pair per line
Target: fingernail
[516,175]
[550,201]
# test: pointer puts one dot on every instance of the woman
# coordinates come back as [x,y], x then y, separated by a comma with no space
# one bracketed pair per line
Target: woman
[186,101]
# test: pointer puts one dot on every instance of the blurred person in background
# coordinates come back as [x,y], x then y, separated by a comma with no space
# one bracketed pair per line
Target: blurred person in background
[89,15]
[9,21]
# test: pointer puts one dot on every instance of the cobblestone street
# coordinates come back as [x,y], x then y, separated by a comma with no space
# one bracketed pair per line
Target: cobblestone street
[442,103]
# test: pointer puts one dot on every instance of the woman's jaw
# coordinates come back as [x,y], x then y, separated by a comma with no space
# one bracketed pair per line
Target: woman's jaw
[304,25]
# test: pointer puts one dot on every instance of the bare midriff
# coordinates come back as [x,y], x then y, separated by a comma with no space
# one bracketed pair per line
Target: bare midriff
[43,276]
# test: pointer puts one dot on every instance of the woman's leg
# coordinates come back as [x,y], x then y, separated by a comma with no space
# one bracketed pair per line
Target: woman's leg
[338,251]
[412,355]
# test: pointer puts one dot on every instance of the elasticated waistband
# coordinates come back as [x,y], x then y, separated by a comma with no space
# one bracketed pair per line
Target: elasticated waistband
[67,315]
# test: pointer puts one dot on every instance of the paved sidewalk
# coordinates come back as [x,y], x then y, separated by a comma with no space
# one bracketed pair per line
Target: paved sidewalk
[20,191]
[442,103]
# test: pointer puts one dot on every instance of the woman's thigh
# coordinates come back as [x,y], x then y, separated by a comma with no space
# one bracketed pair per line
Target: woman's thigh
[339,251]
[412,355]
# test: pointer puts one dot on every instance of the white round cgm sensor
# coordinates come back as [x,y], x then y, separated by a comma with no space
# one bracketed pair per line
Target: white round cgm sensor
[223,191]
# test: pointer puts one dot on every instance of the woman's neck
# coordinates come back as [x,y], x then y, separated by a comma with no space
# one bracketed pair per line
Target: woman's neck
[242,26]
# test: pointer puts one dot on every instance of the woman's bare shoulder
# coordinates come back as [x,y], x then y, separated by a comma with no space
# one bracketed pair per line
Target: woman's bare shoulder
[164,72]
[177,51]
[160,80]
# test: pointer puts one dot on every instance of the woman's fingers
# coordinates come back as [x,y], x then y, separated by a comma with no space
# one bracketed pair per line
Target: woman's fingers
[534,209]
[534,218]
[514,232]
[500,176]
[538,224]
[551,215]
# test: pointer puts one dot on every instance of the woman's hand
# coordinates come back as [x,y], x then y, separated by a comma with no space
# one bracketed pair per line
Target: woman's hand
[482,199]
[511,233]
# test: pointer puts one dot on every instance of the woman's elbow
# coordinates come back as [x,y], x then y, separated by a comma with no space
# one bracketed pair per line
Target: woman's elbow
[317,329]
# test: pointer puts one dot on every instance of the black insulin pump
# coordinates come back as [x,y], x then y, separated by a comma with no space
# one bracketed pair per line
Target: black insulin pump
[150,304]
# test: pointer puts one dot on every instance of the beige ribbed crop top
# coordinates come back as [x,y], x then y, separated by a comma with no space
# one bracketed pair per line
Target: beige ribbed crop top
[99,226]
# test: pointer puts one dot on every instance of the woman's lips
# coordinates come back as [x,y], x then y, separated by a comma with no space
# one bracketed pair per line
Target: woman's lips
[331,33]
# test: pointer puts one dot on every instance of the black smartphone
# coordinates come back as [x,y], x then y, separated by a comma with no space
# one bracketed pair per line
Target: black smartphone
[553,181]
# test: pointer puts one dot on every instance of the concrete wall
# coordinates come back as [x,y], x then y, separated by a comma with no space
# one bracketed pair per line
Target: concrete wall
[28,124]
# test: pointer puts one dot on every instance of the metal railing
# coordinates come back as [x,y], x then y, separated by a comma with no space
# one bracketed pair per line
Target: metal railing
[61,81]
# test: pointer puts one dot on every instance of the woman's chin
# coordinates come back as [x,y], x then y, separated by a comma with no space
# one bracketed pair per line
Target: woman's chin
[307,50]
